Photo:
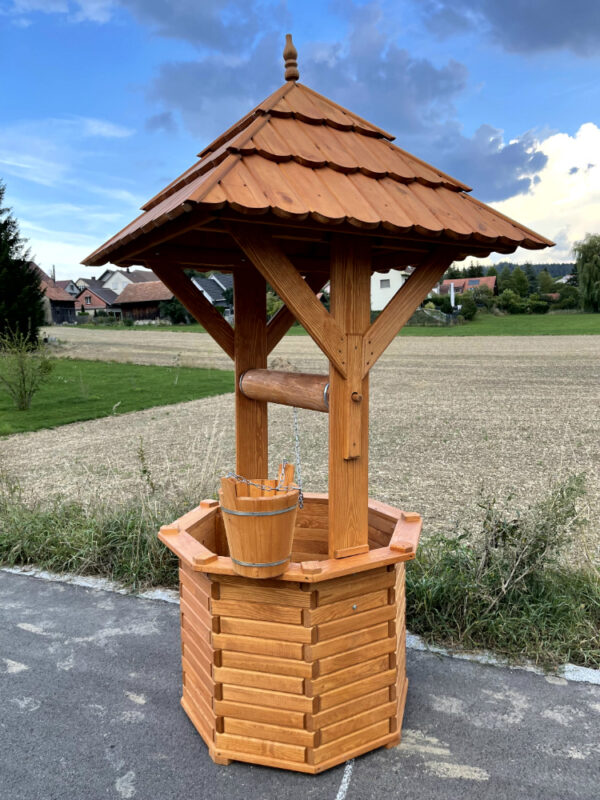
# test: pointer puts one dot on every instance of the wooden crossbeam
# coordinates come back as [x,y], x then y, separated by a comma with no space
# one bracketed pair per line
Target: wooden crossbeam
[401,307]
[283,320]
[175,279]
[270,260]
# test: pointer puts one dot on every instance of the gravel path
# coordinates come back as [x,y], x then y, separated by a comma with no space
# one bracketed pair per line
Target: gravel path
[450,418]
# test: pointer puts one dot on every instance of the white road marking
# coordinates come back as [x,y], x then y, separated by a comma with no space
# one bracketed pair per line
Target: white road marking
[346,778]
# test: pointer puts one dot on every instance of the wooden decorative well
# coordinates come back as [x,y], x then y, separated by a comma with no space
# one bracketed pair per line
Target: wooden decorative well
[308,669]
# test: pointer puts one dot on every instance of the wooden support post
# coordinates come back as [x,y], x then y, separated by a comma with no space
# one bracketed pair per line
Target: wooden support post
[251,433]
[349,401]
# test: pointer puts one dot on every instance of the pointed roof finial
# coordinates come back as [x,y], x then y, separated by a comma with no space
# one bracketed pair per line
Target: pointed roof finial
[290,54]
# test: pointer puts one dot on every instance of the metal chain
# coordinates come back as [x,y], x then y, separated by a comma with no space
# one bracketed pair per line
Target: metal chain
[261,486]
[298,461]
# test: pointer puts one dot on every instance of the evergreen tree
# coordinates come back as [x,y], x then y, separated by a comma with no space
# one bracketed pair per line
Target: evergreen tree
[532,279]
[546,282]
[452,273]
[491,271]
[21,296]
[588,271]
[519,282]
[574,277]
[473,271]
[505,280]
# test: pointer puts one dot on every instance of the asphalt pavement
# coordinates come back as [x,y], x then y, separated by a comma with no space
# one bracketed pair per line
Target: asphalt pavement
[89,700]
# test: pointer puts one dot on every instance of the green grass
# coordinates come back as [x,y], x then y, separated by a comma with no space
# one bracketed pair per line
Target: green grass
[195,327]
[557,324]
[80,390]
[507,587]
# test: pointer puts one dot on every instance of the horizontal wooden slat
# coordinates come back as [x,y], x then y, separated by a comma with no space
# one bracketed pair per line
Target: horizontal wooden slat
[273,716]
[335,590]
[287,752]
[200,647]
[201,724]
[259,680]
[314,534]
[345,608]
[199,695]
[358,721]
[261,663]
[268,612]
[197,583]
[356,739]
[273,733]
[356,656]
[349,709]
[193,621]
[348,642]
[308,555]
[351,690]
[252,644]
[199,608]
[265,630]
[260,594]
[335,680]
[339,627]
[200,673]
[257,697]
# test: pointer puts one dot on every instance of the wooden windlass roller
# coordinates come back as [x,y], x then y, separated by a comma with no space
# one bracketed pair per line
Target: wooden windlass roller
[302,390]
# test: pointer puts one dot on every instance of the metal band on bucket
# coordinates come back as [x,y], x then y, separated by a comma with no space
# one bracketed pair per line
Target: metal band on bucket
[253,564]
[259,514]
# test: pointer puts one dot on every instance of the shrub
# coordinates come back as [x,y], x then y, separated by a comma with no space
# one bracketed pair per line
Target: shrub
[430,306]
[442,301]
[128,322]
[504,586]
[538,306]
[24,367]
[511,302]
[483,296]
[468,308]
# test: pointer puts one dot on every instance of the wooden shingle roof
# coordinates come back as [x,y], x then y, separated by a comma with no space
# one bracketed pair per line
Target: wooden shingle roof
[145,292]
[299,155]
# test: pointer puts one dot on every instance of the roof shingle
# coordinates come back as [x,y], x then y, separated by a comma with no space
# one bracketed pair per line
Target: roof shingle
[300,155]
[148,291]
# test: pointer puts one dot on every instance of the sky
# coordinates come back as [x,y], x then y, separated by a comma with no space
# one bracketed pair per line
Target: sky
[104,102]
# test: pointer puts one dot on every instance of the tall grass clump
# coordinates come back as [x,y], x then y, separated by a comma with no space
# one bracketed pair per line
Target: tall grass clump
[116,541]
[507,587]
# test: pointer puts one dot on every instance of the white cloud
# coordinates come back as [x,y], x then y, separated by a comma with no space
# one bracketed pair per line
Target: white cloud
[78,11]
[101,127]
[564,204]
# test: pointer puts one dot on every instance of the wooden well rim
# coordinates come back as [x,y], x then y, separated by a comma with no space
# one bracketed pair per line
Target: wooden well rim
[182,537]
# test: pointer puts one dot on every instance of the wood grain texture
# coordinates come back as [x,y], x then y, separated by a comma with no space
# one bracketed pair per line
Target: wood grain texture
[199,307]
[349,420]
[401,307]
[256,713]
[261,611]
[279,271]
[283,319]
[286,388]
[250,334]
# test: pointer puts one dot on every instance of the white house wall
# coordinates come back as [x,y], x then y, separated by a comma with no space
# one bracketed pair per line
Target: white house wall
[384,286]
[117,281]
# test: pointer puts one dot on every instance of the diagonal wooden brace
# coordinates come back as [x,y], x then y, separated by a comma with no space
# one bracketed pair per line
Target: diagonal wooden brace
[401,307]
[175,279]
[270,260]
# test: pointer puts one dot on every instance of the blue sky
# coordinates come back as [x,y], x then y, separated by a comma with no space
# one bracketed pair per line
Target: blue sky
[108,100]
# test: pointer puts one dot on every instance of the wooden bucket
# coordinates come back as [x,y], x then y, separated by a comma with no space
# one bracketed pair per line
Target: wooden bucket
[259,524]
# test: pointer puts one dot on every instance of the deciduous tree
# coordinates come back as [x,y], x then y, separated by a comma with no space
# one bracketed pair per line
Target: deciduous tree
[588,271]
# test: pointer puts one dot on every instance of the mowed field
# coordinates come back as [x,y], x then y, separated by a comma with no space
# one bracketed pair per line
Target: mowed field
[451,419]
